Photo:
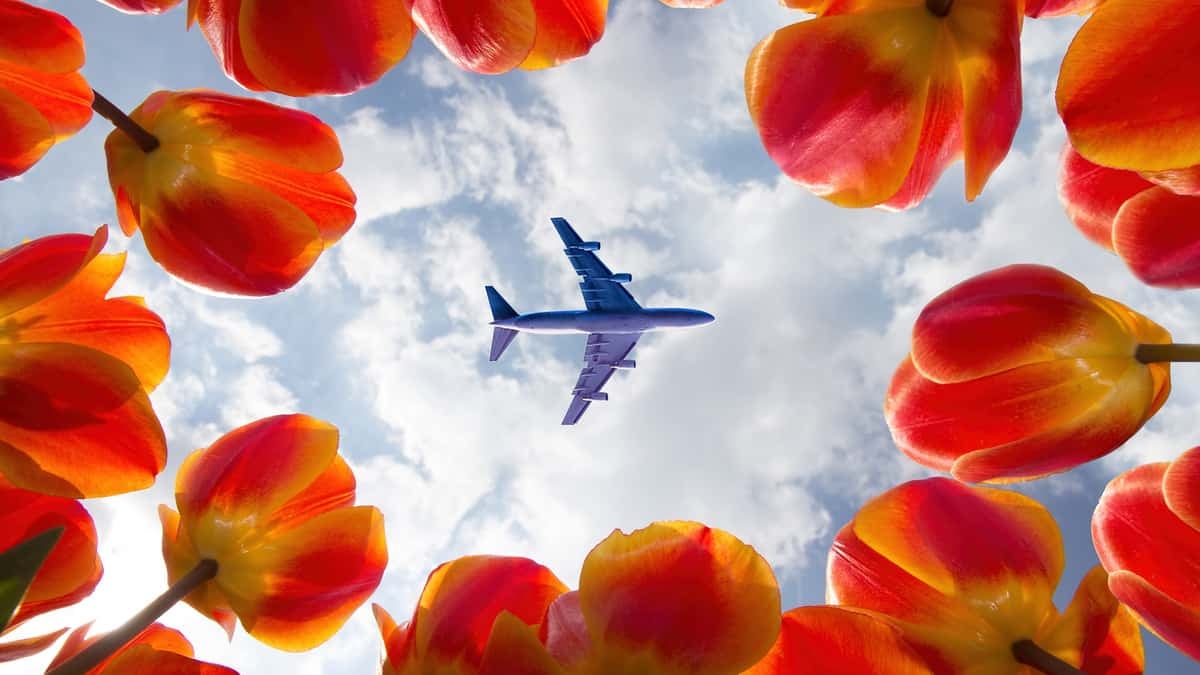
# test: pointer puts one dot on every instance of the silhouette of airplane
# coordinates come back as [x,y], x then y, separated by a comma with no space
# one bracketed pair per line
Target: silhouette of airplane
[613,320]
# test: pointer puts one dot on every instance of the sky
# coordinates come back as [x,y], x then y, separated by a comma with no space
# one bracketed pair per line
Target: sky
[767,423]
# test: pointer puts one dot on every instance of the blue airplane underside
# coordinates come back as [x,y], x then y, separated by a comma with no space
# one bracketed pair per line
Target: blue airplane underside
[613,320]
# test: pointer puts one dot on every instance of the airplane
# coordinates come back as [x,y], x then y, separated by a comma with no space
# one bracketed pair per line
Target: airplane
[613,320]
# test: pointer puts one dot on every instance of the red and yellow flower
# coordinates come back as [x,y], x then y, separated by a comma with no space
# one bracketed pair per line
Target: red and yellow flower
[69,573]
[1022,372]
[157,649]
[240,196]
[308,47]
[967,573]
[1148,220]
[495,36]
[868,103]
[43,98]
[75,369]
[272,503]
[465,603]
[1147,534]
[826,639]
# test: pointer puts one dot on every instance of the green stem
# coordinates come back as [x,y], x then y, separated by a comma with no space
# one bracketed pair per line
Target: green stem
[939,7]
[108,645]
[106,109]
[1027,652]
[1167,352]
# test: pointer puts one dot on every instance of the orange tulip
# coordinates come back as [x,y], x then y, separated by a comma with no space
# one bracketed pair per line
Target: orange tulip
[69,573]
[871,101]
[75,369]
[1022,372]
[272,504]
[495,36]
[1150,224]
[968,574]
[157,649]
[1126,101]
[1147,534]
[838,640]
[43,99]
[240,196]
[142,6]
[452,627]
[305,47]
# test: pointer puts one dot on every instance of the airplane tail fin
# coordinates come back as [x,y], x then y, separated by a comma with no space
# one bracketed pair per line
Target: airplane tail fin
[500,308]
[501,339]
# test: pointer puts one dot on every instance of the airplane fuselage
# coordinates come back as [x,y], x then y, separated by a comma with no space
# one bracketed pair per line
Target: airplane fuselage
[584,321]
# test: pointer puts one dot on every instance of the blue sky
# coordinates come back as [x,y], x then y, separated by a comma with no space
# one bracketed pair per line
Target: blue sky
[767,423]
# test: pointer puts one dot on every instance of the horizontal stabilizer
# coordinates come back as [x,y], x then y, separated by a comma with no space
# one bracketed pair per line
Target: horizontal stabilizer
[501,339]
[501,310]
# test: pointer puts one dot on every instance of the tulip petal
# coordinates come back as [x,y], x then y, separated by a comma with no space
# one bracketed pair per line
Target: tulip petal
[1123,99]
[397,640]
[297,591]
[836,640]
[1045,9]
[483,36]
[157,649]
[75,422]
[1092,194]
[1096,633]
[180,557]
[39,38]
[1152,556]
[1155,234]
[810,84]
[689,598]
[1181,487]
[513,649]
[72,569]
[142,6]
[566,29]
[19,649]
[565,631]
[79,314]
[36,269]
[1180,181]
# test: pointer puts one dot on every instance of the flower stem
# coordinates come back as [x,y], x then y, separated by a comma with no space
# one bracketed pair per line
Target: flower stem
[108,645]
[106,109]
[1027,652]
[1167,352]
[939,7]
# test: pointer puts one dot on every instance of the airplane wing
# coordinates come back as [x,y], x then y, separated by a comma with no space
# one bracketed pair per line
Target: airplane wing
[605,353]
[602,290]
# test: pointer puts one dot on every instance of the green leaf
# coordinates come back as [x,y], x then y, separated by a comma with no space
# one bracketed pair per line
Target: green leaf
[18,565]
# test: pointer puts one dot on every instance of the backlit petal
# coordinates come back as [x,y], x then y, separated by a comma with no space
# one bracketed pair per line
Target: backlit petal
[75,422]
[836,640]
[142,6]
[513,649]
[1181,487]
[35,269]
[179,554]
[686,597]
[1180,181]
[566,29]
[1155,234]
[19,649]
[158,649]
[1096,633]
[1123,98]
[1092,194]
[1044,9]
[1152,557]
[484,36]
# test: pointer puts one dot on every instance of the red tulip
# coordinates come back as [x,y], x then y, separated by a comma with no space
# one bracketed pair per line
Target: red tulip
[1147,535]
[1126,101]
[495,36]
[1150,224]
[142,6]
[240,196]
[1022,372]
[871,101]
[452,626]
[839,640]
[43,99]
[305,47]
[69,573]
[272,503]
[157,649]
[75,369]
[967,574]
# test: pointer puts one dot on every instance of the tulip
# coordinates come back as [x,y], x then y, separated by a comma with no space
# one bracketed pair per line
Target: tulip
[1124,99]
[870,102]
[75,370]
[968,574]
[69,573]
[1022,372]
[1149,221]
[839,640]
[495,36]
[157,649]
[142,6]
[43,98]
[305,47]
[1147,533]
[451,628]
[235,195]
